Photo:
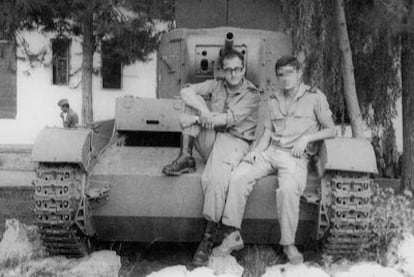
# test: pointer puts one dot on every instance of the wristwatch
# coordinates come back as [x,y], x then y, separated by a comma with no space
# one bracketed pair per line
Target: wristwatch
[197,121]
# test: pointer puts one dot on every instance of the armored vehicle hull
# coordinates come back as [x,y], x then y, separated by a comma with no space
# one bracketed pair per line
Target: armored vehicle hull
[106,182]
[145,205]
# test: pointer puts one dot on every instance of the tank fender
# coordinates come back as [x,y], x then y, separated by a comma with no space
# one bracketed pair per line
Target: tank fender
[64,145]
[347,154]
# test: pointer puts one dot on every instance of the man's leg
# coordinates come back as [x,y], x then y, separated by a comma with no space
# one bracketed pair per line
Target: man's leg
[292,173]
[225,155]
[192,135]
[242,182]
[184,163]
[203,251]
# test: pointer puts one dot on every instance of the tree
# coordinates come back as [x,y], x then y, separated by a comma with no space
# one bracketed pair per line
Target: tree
[319,32]
[313,26]
[348,72]
[407,75]
[395,18]
[126,23]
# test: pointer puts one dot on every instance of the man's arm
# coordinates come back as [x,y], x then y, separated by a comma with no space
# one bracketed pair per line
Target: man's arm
[261,144]
[192,96]
[327,131]
[194,100]
[207,119]
[300,146]
[239,112]
[217,120]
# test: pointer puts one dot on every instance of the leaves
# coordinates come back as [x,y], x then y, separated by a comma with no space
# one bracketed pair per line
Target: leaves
[392,216]
[126,23]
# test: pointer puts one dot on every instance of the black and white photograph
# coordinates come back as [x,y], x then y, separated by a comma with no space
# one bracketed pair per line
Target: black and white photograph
[202,138]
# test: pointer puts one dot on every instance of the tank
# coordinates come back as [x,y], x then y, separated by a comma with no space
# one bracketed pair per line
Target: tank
[106,183]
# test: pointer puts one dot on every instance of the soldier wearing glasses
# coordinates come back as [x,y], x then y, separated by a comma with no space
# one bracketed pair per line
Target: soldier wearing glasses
[222,132]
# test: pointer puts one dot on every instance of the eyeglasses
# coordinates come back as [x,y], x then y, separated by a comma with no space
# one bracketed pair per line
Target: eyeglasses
[236,70]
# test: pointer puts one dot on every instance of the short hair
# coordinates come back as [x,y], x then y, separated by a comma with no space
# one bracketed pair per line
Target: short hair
[230,54]
[287,60]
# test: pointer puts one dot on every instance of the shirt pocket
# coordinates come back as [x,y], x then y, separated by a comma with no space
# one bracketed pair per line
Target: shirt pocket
[304,111]
[278,120]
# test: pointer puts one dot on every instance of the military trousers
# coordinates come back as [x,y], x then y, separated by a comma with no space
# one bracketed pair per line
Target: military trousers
[222,152]
[291,176]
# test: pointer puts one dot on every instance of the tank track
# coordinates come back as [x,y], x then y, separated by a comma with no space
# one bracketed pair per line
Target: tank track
[58,198]
[349,212]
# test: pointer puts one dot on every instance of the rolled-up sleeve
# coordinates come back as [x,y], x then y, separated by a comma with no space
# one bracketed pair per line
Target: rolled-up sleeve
[323,112]
[203,89]
[242,109]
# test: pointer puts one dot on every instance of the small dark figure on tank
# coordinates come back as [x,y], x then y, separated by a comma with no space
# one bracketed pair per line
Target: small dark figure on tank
[69,117]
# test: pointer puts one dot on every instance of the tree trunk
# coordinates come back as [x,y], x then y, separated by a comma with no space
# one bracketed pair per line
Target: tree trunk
[407,75]
[351,98]
[88,48]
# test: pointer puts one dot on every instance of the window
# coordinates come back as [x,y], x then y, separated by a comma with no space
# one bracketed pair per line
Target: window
[111,69]
[8,104]
[60,60]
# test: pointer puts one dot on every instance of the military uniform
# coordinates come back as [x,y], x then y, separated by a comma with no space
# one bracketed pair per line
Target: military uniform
[223,148]
[70,119]
[307,113]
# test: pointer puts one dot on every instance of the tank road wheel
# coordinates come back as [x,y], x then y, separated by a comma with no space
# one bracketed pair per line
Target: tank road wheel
[58,191]
[349,209]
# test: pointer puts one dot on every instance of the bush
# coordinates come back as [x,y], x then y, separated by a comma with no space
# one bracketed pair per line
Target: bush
[392,216]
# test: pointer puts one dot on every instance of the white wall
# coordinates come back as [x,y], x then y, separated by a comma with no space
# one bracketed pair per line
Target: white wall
[37,96]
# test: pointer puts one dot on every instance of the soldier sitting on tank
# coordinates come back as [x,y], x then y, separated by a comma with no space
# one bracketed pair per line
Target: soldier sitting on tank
[222,132]
[69,117]
[297,117]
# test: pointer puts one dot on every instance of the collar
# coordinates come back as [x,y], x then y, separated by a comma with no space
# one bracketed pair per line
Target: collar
[301,92]
[244,87]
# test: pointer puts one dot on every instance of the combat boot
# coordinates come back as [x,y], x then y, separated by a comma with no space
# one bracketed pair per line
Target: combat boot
[232,242]
[184,163]
[202,254]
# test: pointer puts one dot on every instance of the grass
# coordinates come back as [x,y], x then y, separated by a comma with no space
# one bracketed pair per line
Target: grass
[256,258]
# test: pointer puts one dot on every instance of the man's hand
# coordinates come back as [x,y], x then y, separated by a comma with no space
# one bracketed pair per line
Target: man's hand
[251,157]
[299,148]
[62,116]
[206,120]
[187,120]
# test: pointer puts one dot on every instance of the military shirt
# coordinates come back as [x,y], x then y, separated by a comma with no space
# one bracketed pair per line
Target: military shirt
[241,106]
[71,120]
[308,113]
